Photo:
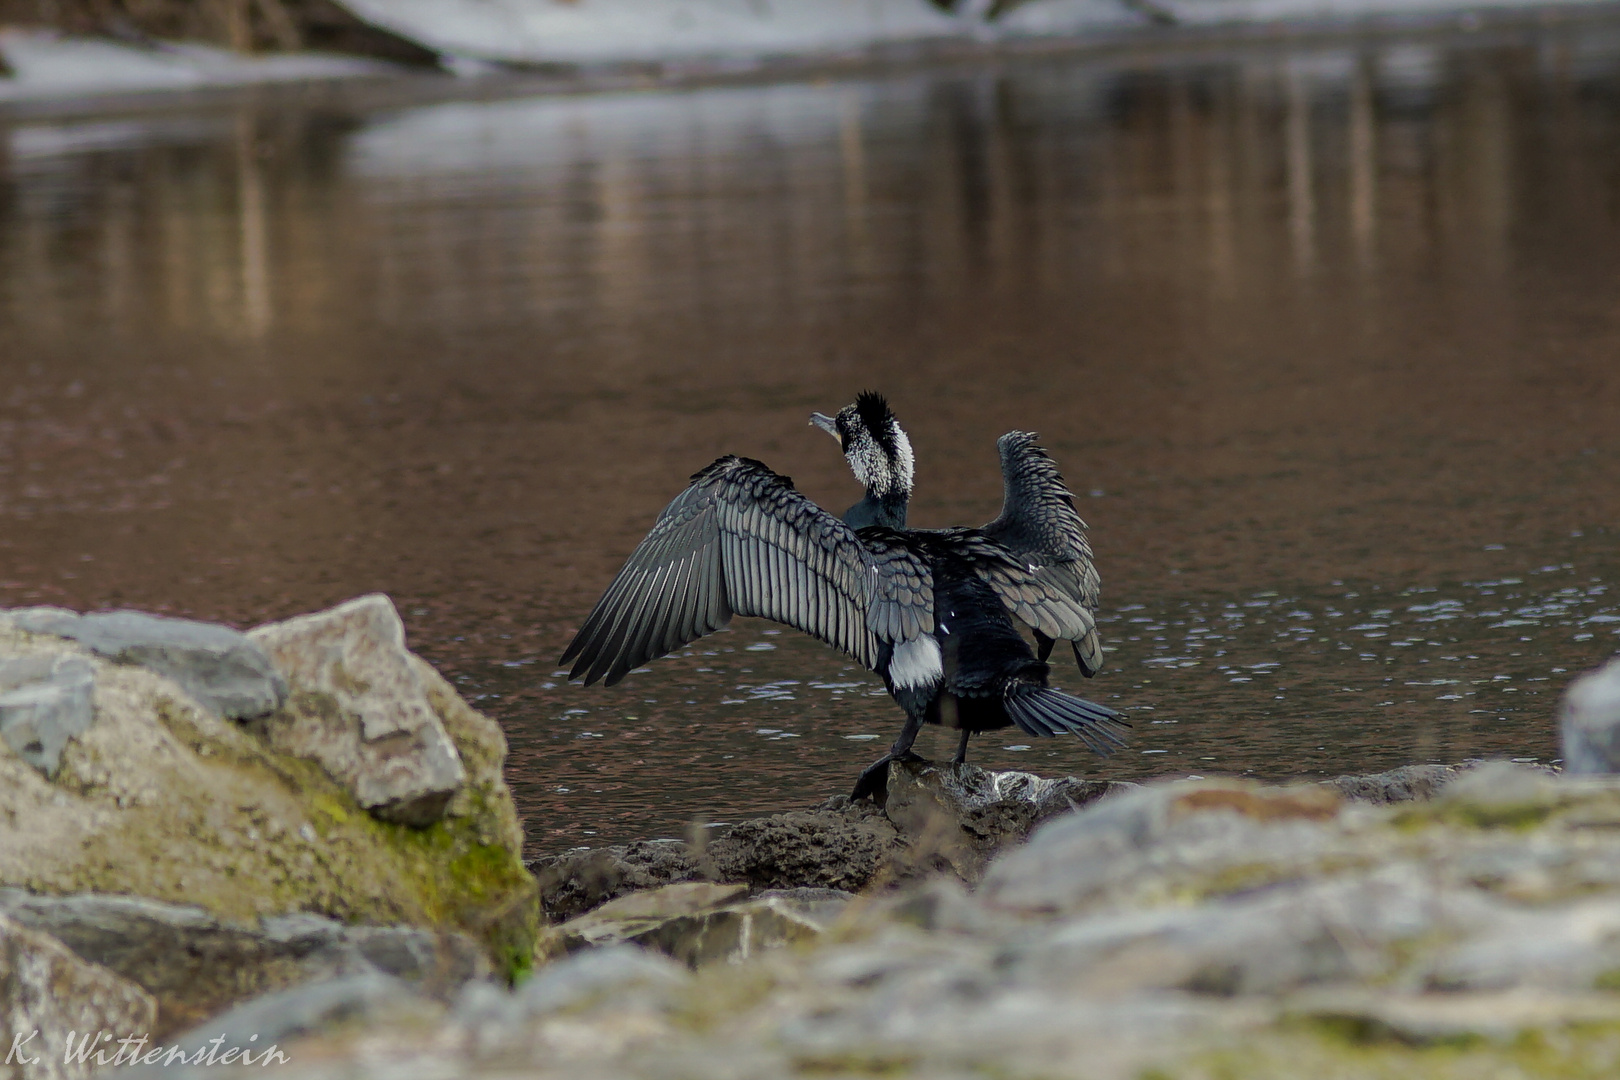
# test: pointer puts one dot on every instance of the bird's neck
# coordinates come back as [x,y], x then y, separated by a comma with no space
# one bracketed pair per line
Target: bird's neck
[886,510]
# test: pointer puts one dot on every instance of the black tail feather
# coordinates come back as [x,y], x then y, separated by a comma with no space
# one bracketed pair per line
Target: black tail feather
[1042,711]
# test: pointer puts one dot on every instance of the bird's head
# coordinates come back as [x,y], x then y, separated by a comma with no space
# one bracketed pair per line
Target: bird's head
[874,444]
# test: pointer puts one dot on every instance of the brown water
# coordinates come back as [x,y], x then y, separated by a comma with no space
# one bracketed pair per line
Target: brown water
[1325,335]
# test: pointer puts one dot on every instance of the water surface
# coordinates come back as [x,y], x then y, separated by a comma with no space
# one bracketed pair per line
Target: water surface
[1323,334]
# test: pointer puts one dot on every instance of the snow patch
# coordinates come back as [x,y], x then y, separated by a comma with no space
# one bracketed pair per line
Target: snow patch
[46,64]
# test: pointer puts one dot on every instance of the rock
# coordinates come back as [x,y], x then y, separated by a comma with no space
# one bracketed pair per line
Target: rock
[44,702]
[655,905]
[219,667]
[963,814]
[936,817]
[1179,931]
[48,995]
[821,906]
[196,965]
[1190,836]
[732,933]
[164,798]
[1405,784]
[698,923]
[359,708]
[612,995]
[40,620]
[1589,722]
[261,1027]
[836,846]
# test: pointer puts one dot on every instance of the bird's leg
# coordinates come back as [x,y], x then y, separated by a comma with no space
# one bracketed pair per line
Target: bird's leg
[961,748]
[874,779]
[901,750]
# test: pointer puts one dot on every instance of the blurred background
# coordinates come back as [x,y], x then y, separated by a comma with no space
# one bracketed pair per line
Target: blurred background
[1318,310]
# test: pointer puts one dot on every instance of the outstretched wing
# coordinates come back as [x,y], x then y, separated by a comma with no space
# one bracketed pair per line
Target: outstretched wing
[1032,593]
[1040,527]
[741,540]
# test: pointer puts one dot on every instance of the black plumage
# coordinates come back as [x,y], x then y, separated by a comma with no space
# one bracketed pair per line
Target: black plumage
[741,540]
[1033,563]
[1038,523]
[928,611]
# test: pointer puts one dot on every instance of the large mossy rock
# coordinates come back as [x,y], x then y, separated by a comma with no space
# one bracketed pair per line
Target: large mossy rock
[163,797]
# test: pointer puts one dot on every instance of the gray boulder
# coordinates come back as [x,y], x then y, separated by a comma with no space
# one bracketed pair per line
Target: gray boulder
[628,983]
[49,995]
[45,701]
[1589,722]
[218,666]
[167,799]
[195,965]
[1190,836]
[700,923]
[359,707]
[39,620]
[261,1028]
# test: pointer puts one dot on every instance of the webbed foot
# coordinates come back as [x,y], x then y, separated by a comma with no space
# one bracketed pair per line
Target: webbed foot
[873,783]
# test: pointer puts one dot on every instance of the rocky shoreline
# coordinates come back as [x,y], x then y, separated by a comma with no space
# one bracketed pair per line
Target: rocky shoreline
[297,841]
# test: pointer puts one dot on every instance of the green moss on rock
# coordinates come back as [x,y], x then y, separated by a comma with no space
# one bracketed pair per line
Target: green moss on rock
[166,800]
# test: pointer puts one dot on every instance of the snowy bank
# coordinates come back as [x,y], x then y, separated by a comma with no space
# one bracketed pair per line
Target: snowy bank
[45,64]
[647,31]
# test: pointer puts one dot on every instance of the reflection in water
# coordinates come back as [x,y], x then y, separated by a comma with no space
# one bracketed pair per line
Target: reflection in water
[1301,181]
[1363,167]
[256,313]
[1323,337]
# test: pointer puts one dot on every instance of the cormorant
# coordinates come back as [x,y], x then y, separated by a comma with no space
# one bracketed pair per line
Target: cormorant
[1037,524]
[927,611]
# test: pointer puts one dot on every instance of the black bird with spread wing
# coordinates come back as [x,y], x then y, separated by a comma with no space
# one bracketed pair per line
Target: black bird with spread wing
[927,611]
[1038,524]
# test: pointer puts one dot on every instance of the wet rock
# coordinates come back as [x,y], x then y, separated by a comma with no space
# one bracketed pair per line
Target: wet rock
[1589,722]
[45,701]
[196,965]
[166,799]
[936,817]
[836,846]
[219,667]
[359,708]
[961,815]
[48,994]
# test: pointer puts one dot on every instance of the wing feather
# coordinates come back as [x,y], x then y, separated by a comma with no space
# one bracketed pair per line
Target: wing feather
[1041,529]
[742,540]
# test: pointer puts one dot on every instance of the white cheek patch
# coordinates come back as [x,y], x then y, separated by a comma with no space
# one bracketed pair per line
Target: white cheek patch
[916,663]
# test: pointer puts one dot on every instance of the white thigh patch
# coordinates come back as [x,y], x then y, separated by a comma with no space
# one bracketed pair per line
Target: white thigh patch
[916,663]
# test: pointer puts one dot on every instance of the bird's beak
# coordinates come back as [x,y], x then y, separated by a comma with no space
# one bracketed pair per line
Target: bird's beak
[827,424]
